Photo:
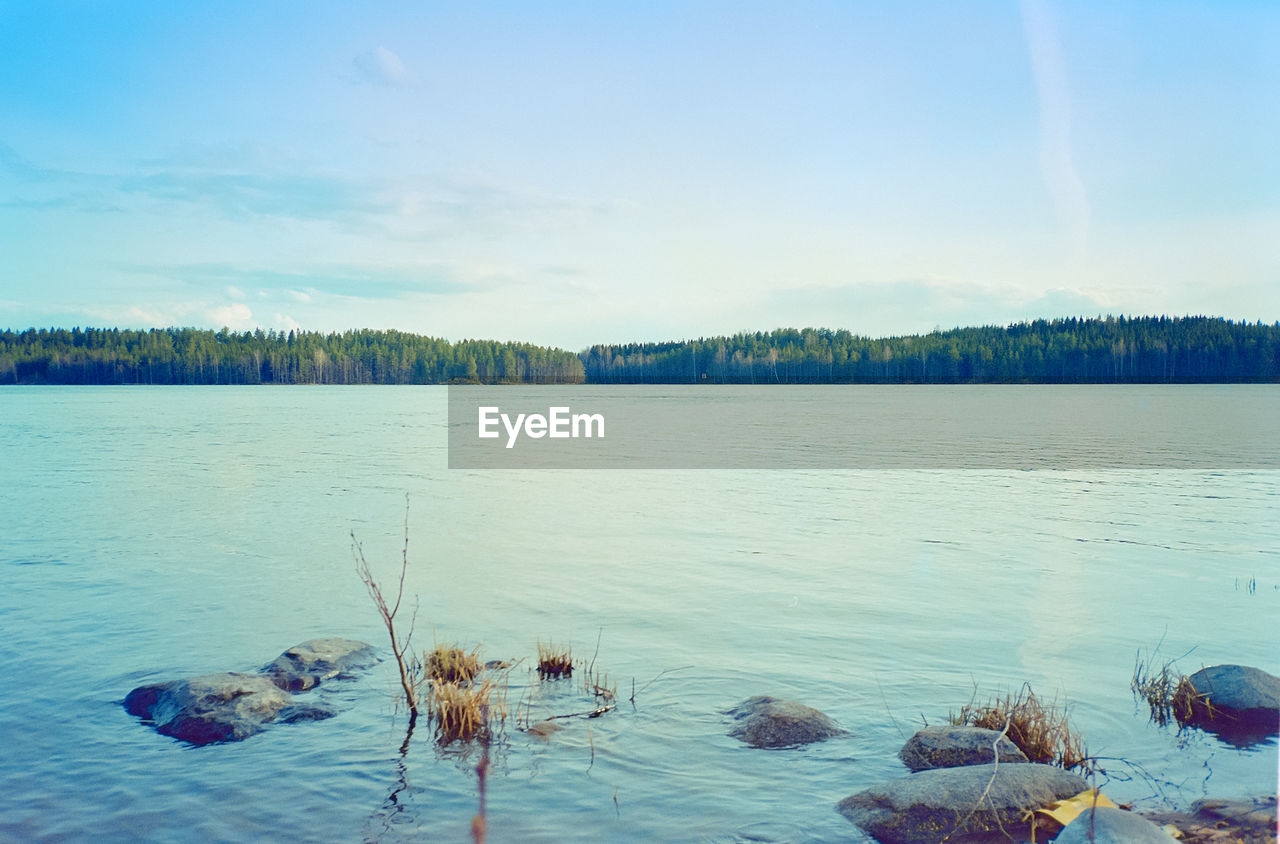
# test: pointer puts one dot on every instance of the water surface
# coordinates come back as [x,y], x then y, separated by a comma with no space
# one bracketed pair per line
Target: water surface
[151,533]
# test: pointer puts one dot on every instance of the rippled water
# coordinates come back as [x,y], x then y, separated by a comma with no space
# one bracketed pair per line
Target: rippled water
[155,533]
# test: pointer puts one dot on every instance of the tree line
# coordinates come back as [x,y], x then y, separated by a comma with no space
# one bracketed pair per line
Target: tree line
[198,356]
[1074,350]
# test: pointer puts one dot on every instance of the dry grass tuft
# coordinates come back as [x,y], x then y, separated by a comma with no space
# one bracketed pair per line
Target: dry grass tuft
[1169,694]
[1040,731]
[597,685]
[451,664]
[461,710]
[554,662]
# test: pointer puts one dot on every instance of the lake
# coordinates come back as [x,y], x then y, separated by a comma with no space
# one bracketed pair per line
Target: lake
[154,533]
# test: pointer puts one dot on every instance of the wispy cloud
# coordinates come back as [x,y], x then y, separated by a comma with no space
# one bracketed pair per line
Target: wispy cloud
[380,66]
[914,305]
[237,316]
[304,285]
[1057,163]
[284,322]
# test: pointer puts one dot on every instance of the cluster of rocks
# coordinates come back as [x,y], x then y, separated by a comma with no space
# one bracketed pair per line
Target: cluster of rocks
[969,783]
[233,706]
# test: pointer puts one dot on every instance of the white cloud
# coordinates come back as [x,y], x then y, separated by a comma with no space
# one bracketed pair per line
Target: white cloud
[286,323]
[237,316]
[235,292]
[299,296]
[1057,163]
[380,66]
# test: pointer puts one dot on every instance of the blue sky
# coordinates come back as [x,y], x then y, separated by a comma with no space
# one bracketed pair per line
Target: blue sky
[569,173]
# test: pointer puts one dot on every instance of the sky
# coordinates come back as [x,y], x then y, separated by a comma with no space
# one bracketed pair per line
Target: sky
[578,173]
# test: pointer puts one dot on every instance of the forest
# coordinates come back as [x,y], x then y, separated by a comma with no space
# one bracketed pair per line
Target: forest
[198,356]
[1101,350]
[1073,350]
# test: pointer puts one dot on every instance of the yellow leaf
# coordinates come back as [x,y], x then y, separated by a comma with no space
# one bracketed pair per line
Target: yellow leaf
[1065,811]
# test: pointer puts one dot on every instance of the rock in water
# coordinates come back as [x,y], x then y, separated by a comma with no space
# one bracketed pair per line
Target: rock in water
[769,722]
[950,747]
[929,805]
[306,665]
[1243,703]
[216,707]
[1105,825]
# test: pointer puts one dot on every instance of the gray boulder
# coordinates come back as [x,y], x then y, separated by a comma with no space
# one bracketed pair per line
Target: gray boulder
[1105,825]
[763,721]
[216,707]
[950,747]
[1238,688]
[306,665]
[1243,703]
[927,806]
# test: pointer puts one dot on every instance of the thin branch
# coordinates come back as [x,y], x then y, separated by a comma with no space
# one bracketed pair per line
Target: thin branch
[409,671]
[595,713]
[995,769]
[654,680]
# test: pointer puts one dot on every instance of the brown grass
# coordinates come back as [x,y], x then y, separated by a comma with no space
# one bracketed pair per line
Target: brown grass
[554,662]
[1169,694]
[461,710]
[451,664]
[1040,731]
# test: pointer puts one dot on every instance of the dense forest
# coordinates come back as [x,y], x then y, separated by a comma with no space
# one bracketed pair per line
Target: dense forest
[196,356]
[1114,349]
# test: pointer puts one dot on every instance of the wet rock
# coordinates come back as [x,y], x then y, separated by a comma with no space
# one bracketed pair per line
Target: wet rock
[1216,821]
[1105,825]
[308,664]
[764,721]
[1243,703]
[216,707]
[1259,813]
[950,747]
[544,729]
[497,665]
[929,805]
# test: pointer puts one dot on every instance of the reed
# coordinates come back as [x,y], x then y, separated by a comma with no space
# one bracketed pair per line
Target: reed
[1169,694]
[1040,731]
[451,664]
[461,710]
[554,662]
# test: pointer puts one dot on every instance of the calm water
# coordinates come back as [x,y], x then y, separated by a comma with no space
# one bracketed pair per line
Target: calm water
[154,533]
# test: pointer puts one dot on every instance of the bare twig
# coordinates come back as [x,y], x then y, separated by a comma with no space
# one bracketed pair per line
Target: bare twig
[890,712]
[409,668]
[594,713]
[995,751]
[478,825]
[654,680]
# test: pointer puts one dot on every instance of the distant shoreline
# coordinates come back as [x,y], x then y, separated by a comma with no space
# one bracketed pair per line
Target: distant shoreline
[1111,350]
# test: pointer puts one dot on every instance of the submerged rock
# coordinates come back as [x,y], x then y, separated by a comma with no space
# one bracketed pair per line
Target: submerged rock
[950,747]
[764,721]
[216,707]
[1243,703]
[306,665]
[929,805]
[1214,820]
[1105,825]
[230,707]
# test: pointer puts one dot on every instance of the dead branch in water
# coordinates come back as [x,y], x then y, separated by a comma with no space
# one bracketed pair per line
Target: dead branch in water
[410,668]
[479,828]
[654,680]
